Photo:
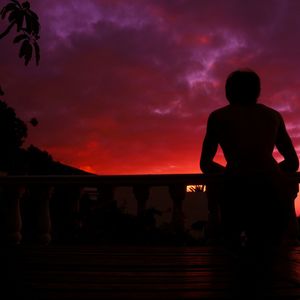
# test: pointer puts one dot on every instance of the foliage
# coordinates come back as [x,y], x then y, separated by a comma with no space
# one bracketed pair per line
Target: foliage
[34,122]
[39,162]
[13,131]
[28,28]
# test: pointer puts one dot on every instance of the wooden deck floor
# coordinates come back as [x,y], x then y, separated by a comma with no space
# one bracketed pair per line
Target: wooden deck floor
[97,272]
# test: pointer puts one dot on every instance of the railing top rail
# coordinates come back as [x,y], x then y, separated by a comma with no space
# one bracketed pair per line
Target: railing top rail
[121,180]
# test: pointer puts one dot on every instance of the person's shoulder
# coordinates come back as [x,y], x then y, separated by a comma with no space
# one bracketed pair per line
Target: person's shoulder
[269,110]
[220,111]
[219,115]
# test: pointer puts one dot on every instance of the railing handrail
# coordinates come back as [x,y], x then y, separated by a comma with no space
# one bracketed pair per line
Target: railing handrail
[121,180]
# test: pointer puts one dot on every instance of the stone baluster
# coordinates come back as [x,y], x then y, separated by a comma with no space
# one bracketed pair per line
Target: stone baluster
[106,194]
[177,193]
[141,194]
[81,193]
[12,195]
[77,211]
[42,195]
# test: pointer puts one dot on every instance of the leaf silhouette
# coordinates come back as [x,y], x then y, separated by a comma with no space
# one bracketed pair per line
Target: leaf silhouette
[20,37]
[37,52]
[26,5]
[34,122]
[28,54]
[17,3]
[13,16]
[23,48]
[6,9]
[27,23]
[20,20]
[32,25]
[34,15]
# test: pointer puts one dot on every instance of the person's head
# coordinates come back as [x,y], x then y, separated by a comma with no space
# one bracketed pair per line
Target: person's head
[242,87]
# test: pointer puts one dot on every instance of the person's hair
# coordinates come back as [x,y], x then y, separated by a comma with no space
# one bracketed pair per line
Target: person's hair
[242,87]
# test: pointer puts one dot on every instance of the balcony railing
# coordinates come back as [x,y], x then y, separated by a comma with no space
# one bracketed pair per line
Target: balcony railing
[42,189]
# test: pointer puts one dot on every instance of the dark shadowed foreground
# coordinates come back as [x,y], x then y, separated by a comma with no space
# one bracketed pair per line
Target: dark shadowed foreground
[113,272]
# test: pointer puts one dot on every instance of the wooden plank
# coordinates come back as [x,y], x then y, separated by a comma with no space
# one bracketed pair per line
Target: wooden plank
[95,272]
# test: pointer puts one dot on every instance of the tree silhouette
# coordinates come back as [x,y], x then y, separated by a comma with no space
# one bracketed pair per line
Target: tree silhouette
[39,162]
[28,28]
[13,132]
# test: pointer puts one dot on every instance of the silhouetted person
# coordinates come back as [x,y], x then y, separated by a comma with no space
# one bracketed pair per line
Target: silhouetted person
[256,197]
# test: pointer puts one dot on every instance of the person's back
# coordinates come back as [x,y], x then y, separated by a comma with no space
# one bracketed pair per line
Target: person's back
[247,135]
[256,196]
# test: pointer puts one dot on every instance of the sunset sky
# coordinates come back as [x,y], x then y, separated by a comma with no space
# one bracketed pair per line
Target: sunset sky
[125,87]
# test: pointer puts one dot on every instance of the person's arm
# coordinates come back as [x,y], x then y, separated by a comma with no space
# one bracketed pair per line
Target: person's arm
[286,149]
[209,149]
